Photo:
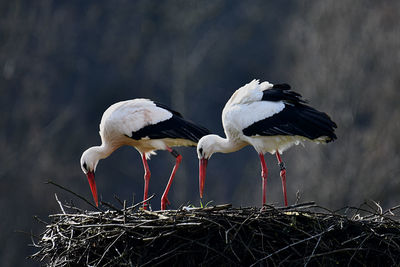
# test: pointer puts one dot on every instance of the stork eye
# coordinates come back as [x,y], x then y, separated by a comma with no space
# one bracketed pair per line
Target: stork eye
[85,166]
[201,150]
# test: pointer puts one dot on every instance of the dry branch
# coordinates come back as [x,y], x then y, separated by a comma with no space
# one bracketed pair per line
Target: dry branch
[302,234]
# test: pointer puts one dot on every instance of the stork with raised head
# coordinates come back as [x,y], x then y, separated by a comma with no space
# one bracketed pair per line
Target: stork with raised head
[147,126]
[269,117]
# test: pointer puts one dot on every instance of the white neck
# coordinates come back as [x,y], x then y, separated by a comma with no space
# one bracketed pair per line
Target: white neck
[92,156]
[102,152]
[224,145]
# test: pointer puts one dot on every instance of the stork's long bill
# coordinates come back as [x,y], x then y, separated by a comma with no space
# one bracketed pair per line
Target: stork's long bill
[202,174]
[92,183]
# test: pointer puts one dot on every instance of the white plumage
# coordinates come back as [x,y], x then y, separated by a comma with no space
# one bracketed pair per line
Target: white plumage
[130,116]
[271,118]
[145,125]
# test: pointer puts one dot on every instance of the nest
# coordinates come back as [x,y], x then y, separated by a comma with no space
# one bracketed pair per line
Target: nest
[303,234]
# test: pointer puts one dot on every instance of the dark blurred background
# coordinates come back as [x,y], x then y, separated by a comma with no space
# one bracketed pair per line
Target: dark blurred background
[62,63]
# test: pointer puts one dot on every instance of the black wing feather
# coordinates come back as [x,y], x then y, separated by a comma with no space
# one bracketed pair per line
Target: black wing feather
[161,105]
[176,127]
[296,118]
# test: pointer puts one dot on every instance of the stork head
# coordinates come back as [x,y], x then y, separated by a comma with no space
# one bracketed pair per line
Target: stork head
[89,161]
[206,146]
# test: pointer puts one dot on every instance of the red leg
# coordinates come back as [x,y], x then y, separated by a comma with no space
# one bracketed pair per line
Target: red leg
[147,175]
[283,175]
[264,174]
[164,198]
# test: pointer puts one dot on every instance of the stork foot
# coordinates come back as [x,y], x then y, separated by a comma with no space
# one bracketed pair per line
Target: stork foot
[283,176]
[164,203]
[263,208]
[146,206]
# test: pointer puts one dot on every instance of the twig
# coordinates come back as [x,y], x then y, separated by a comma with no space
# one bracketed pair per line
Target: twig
[313,251]
[155,259]
[75,194]
[300,205]
[359,248]
[303,234]
[141,202]
[59,203]
[289,246]
[108,248]
[110,206]
[40,220]
[118,199]
[208,247]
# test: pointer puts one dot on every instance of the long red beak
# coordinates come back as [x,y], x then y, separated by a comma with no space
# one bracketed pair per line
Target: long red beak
[92,183]
[202,174]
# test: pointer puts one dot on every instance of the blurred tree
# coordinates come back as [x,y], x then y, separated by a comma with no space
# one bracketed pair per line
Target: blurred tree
[346,60]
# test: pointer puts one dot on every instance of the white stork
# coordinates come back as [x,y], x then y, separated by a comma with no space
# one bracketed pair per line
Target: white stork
[147,126]
[271,118]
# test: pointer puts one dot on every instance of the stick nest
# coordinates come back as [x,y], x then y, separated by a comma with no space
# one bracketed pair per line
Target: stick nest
[303,234]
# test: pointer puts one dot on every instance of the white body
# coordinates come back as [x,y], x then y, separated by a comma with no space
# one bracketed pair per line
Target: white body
[117,124]
[123,118]
[244,108]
